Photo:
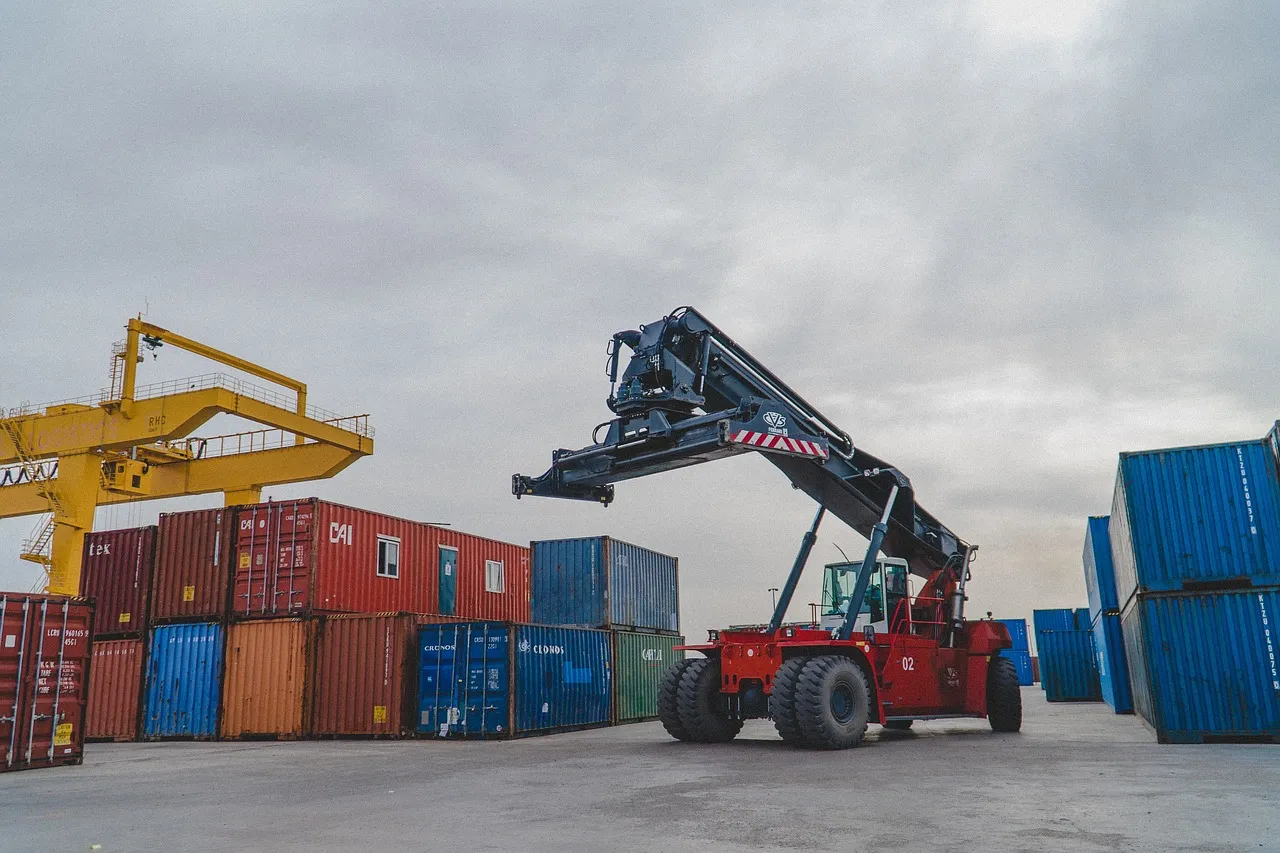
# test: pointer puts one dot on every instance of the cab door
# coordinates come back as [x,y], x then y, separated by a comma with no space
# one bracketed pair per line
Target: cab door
[448,580]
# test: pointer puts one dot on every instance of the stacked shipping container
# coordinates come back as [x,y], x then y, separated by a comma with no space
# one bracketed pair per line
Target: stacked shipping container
[45,648]
[1064,643]
[1020,654]
[1104,616]
[1195,538]
[115,571]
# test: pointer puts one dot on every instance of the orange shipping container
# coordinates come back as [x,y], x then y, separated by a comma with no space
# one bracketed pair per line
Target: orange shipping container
[115,683]
[362,667]
[265,687]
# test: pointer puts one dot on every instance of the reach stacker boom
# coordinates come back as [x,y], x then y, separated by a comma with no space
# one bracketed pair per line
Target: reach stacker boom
[691,394]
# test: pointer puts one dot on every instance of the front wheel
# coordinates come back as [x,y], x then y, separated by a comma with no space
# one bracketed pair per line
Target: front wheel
[1004,696]
[704,710]
[833,703]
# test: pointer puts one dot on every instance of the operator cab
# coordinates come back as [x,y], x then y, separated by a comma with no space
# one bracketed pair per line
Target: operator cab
[884,601]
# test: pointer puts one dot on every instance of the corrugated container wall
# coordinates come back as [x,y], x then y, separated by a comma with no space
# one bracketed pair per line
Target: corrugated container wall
[116,570]
[603,582]
[490,578]
[563,678]
[362,665]
[639,662]
[312,556]
[184,681]
[264,692]
[1195,518]
[1204,665]
[115,688]
[192,565]
[45,648]
[1099,571]
[1022,663]
[1113,666]
[1055,620]
[559,677]
[1068,669]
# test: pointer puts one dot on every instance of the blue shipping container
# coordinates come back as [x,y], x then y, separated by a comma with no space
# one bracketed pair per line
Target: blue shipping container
[1022,663]
[1068,670]
[1099,571]
[601,582]
[1113,666]
[1055,620]
[1195,518]
[184,681]
[469,673]
[1204,665]
[1017,633]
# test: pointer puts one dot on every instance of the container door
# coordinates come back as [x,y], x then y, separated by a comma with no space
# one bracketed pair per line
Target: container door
[448,580]
[463,686]
[13,644]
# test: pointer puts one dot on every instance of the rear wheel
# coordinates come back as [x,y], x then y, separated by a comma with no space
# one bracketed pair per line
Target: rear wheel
[898,725]
[1004,696]
[782,701]
[668,707]
[833,703]
[704,710]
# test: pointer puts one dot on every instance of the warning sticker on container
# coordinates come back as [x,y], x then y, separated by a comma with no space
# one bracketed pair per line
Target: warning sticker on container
[188,593]
[244,560]
[124,617]
[379,714]
[10,640]
[62,734]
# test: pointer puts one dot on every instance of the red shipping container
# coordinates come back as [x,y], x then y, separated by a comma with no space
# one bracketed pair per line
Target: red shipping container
[45,646]
[312,556]
[192,565]
[364,672]
[115,685]
[116,569]
[490,577]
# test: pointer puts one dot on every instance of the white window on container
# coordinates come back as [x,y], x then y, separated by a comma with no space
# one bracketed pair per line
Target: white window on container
[388,557]
[495,576]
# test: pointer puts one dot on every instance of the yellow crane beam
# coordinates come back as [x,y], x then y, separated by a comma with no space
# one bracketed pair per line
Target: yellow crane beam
[137,445]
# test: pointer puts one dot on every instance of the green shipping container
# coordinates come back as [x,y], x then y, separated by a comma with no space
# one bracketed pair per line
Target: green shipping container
[639,662]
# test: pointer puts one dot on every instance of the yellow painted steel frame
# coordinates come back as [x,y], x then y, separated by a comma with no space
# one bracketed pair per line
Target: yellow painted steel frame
[82,438]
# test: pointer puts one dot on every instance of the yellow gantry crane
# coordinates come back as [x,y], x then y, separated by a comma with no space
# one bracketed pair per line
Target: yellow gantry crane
[130,443]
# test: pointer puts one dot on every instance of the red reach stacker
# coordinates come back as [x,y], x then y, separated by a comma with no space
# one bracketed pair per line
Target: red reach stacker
[882,653]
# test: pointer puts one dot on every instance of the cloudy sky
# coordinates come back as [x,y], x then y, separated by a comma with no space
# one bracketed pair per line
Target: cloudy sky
[998,241]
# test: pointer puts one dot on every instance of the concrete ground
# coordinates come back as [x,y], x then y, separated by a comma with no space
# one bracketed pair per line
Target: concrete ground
[1077,778]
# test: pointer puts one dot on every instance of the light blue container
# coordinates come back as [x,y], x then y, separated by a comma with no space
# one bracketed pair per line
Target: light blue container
[1205,667]
[1068,670]
[1113,666]
[1099,571]
[469,673]
[184,681]
[1196,518]
[601,582]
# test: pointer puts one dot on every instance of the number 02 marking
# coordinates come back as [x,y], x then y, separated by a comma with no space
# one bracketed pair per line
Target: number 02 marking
[909,663]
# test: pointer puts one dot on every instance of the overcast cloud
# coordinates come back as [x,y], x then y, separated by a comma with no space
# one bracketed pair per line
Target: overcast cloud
[997,241]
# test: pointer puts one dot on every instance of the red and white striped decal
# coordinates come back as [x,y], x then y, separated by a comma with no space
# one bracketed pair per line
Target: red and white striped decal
[778,443]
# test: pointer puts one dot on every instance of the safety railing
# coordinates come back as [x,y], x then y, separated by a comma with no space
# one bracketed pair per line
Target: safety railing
[254,441]
[286,400]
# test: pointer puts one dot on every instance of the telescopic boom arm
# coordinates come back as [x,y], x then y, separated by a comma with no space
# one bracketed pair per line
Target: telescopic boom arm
[690,394]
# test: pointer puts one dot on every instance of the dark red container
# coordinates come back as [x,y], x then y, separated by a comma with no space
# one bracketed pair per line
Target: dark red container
[115,685]
[116,569]
[312,556]
[192,565]
[364,666]
[45,646]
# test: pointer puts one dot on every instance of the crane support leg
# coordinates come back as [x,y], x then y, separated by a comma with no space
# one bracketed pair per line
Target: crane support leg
[868,564]
[78,483]
[789,588]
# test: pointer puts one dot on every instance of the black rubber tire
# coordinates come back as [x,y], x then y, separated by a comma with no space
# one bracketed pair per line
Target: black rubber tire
[899,725]
[704,710]
[782,701]
[833,703]
[668,708]
[1004,696]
